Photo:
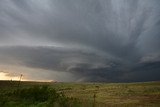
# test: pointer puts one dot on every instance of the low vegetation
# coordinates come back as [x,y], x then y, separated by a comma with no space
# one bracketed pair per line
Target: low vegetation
[36,94]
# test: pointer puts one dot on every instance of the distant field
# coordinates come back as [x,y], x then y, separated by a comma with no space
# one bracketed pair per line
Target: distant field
[142,94]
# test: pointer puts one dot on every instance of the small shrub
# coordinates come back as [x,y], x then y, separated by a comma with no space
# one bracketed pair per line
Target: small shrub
[38,96]
[36,93]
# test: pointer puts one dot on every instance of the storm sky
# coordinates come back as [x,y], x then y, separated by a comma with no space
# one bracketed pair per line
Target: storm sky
[81,40]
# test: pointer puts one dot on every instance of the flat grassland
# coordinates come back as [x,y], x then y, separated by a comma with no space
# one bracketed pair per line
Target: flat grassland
[140,94]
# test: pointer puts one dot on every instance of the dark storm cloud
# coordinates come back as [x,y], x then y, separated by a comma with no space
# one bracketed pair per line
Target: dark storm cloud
[96,40]
[57,59]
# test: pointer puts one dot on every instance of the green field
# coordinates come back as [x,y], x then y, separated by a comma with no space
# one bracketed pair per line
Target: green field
[142,94]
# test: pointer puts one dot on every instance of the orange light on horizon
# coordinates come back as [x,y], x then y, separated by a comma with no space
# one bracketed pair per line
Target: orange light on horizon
[4,76]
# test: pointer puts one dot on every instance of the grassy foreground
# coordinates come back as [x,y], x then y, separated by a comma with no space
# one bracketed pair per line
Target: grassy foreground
[40,94]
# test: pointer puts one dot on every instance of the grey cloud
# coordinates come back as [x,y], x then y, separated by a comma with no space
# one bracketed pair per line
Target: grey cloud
[148,71]
[100,40]
[51,57]
[77,62]
[150,58]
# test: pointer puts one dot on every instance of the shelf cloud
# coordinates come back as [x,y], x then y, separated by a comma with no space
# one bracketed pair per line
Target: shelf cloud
[82,40]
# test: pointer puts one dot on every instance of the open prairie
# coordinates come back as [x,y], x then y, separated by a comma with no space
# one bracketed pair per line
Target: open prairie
[140,94]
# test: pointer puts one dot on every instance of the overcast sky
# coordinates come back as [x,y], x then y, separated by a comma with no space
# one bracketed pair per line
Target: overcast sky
[81,40]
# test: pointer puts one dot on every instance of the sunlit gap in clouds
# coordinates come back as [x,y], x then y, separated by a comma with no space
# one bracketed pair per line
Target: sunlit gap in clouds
[6,76]
[17,72]
[14,71]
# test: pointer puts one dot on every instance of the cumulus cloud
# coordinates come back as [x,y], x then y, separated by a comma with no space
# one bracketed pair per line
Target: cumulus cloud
[105,40]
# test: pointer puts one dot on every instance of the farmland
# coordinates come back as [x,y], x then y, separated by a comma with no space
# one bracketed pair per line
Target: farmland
[141,94]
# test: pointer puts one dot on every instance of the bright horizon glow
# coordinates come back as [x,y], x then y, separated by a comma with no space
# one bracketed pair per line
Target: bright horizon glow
[4,76]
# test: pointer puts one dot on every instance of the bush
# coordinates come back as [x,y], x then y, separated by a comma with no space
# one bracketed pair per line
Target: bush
[40,96]
[36,93]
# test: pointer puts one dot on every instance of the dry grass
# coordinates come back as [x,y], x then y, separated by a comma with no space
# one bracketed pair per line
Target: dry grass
[145,94]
